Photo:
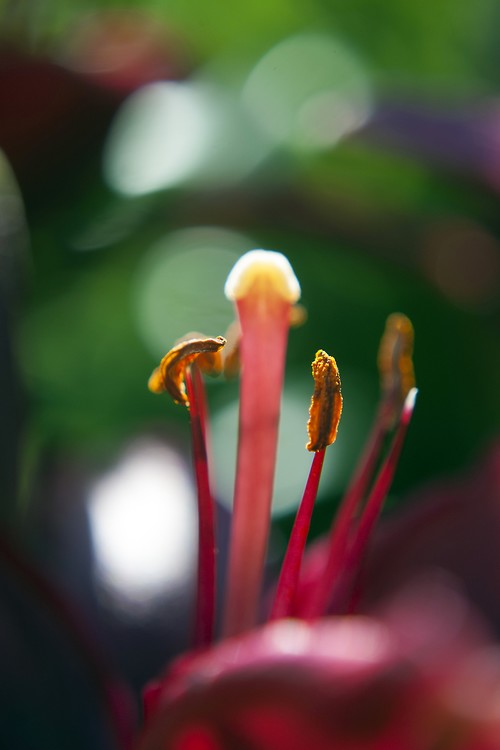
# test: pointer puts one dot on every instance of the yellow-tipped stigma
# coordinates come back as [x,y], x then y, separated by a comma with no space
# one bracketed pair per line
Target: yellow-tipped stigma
[169,376]
[326,403]
[261,272]
[395,358]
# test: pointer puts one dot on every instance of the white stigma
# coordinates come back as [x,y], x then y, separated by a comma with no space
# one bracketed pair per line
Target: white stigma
[263,269]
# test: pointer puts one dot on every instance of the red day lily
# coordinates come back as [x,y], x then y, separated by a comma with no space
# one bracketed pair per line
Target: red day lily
[343,682]
[305,679]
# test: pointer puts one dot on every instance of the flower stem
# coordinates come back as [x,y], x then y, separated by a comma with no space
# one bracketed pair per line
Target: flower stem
[359,539]
[346,524]
[205,597]
[290,570]
[264,325]
[345,518]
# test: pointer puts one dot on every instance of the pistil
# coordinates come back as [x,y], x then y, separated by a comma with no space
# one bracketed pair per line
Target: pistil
[263,287]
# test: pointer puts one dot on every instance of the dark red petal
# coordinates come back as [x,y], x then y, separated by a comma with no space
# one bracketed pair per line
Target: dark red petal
[350,683]
[452,525]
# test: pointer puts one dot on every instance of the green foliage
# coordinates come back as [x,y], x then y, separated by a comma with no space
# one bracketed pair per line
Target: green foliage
[354,220]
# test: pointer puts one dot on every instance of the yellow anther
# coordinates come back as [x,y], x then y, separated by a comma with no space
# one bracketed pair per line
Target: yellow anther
[326,403]
[155,382]
[395,362]
[169,376]
[298,316]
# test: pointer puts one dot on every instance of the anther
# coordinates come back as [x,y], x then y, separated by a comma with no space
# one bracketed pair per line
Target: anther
[326,403]
[395,361]
[170,374]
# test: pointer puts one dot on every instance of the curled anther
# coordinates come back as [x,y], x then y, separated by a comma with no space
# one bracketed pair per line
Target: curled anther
[169,375]
[395,359]
[326,403]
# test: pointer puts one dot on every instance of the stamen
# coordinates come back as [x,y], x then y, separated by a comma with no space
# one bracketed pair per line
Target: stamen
[179,375]
[326,403]
[324,417]
[343,523]
[373,507]
[397,377]
[205,594]
[264,287]
[298,316]
[169,376]
[395,364]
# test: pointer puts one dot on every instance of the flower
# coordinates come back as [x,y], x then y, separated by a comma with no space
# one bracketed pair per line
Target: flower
[313,675]
[347,682]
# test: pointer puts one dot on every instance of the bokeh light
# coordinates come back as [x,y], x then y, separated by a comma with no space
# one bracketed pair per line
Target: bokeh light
[170,133]
[122,48]
[463,260]
[309,91]
[142,516]
[158,139]
[180,284]
[13,231]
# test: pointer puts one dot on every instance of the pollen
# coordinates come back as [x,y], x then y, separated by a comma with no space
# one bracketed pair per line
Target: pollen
[262,272]
[169,375]
[395,357]
[326,403]
[298,316]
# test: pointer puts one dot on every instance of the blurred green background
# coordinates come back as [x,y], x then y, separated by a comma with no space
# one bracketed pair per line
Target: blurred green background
[360,140]
[145,148]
